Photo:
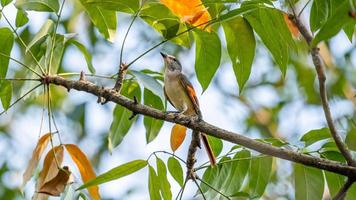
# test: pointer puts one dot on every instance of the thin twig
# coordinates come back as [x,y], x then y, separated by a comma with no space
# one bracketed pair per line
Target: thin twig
[23,43]
[232,160]
[43,110]
[19,99]
[200,190]
[166,152]
[182,189]
[166,40]
[20,63]
[20,79]
[301,11]
[78,74]
[319,67]
[50,126]
[211,187]
[54,36]
[53,119]
[343,190]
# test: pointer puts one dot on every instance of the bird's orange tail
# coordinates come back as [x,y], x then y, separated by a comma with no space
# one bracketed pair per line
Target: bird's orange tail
[208,149]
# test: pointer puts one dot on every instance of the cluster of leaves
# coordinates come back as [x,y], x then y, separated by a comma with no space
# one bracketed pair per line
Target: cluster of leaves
[175,21]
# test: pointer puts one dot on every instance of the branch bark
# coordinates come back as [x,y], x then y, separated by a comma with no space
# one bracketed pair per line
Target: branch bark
[202,126]
[319,67]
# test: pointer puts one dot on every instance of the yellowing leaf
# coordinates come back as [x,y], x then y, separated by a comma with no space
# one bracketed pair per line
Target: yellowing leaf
[177,136]
[36,155]
[190,11]
[291,26]
[85,168]
[49,170]
[56,186]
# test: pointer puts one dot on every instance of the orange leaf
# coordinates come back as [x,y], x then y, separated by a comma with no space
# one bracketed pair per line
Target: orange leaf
[85,168]
[190,11]
[177,136]
[56,186]
[49,170]
[36,155]
[291,26]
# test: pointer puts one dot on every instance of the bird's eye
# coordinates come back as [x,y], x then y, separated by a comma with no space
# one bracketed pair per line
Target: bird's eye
[174,59]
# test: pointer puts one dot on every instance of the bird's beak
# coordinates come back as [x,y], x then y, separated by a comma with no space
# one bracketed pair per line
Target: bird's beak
[163,55]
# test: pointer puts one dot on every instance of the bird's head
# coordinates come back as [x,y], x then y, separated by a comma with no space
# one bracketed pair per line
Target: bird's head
[171,63]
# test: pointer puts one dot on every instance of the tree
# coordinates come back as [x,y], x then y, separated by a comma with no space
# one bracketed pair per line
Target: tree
[301,67]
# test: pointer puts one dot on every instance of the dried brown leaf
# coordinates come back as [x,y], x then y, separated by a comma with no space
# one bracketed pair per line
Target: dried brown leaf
[85,168]
[49,170]
[56,186]
[36,155]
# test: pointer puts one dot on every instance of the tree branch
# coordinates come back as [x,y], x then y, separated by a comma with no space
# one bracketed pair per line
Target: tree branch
[319,67]
[342,193]
[202,126]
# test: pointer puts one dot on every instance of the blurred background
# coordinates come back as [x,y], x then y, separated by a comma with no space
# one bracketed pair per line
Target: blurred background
[269,106]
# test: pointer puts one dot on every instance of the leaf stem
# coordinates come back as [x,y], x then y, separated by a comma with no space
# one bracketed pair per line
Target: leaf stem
[50,126]
[166,40]
[20,79]
[23,43]
[19,99]
[211,187]
[20,63]
[200,190]
[54,37]
[93,75]
[232,160]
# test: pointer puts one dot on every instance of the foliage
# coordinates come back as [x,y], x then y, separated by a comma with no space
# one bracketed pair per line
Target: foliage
[222,32]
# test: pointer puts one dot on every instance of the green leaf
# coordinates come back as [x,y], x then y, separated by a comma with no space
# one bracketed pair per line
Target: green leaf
[318,14]
[150,83]
[57,53]
[165,22]
[175,169]
[38,5]
[315,135]
[309,183]
[153,184]
[228,176]
[46,29]
[5,3]
[128,6]
[260,172]
[335,23]
[351,139]
[269,24]
[5,94]
[6,43]
[152,125]
[207,56]
[87,55]
[350,29]
[334,181]
[121,122]
[21,18]
[116,173]
[241,45]
[238,173]
[238,12]
[163,181]
[216,145]
[103,19]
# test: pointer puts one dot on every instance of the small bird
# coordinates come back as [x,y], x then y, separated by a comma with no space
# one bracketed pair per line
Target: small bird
[181,94]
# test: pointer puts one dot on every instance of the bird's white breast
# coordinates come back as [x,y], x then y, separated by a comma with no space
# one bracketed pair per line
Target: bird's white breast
[176,93]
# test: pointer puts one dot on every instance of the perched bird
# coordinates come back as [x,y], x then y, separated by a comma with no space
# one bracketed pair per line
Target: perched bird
[181,94]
